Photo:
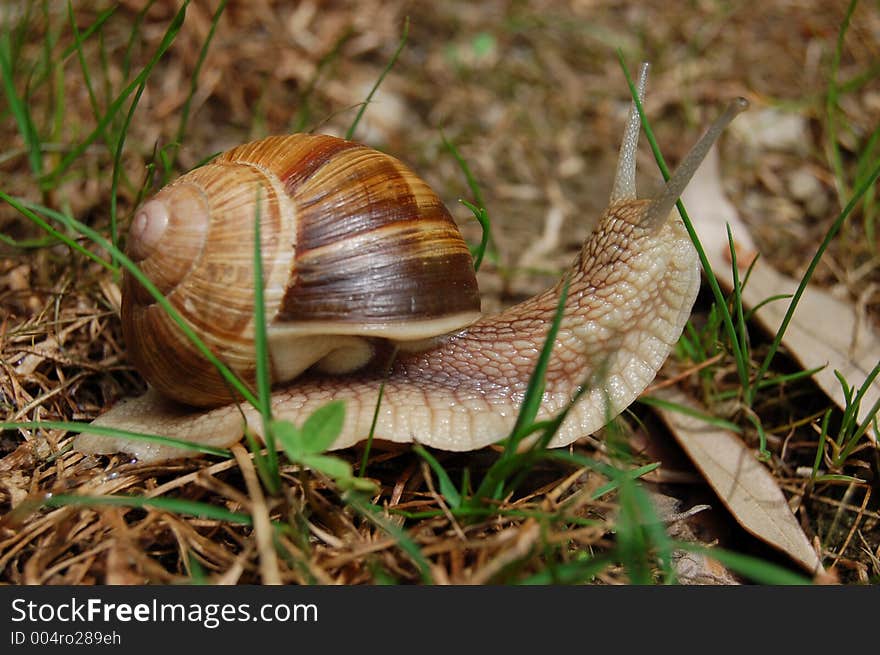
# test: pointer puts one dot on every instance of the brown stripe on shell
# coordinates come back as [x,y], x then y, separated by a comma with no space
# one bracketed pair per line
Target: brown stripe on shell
[376,245]
[292,158]
[361,191]
[362,280]
[320,151]
[169,361]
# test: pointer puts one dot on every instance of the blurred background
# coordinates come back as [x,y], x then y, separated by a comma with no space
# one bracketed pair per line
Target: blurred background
[531,93]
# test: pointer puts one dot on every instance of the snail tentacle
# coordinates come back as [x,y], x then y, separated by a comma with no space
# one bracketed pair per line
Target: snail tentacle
[665,201]
[625,177]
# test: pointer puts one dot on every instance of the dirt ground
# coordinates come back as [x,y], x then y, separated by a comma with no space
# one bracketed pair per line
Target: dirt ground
[533,96]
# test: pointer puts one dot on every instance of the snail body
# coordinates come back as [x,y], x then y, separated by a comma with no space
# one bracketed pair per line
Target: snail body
[458,380]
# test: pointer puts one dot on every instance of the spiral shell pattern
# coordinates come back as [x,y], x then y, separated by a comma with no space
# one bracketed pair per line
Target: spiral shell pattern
[354,245]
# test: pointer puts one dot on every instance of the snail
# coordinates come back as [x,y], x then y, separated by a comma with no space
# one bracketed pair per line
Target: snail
[398,272]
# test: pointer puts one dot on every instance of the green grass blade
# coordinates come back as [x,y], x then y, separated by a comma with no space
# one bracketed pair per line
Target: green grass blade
[763,453]
[479,210]
[450,493]
[368,444]
[641,536]
[175,505]
[19,107]
[850,408]
[766,301]
[614,484]
[485,225]
[743,333]
[853,440]
[535,389]
[786,378]
[28,244]
[867,183]
[655,530]
[134,36]
[261,346]
[303,104]
[831,104]
[515,468]
[520,466]
[472,183]
[50,180]
[24,208]
[820,449]
[692,345]
[839,477]
[493,481]
[197,574]
[260,463]
[866,386]
[263,375]
[104,58]
[194,80]
[98,23]
[84,67]
[18,29]
[374,515]
[357,119]
[868,156]
[117,166]
[651,401]
[579,572]
[115,432]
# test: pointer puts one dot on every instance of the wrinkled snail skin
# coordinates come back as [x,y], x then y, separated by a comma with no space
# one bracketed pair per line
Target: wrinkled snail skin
[465,392]
[631,290]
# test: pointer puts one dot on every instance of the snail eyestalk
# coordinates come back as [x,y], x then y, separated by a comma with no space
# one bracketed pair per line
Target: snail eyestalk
[625,176]
[660,207]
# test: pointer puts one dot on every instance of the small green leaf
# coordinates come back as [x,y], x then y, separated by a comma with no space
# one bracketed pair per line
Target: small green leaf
[321,428]
[333,467]
[290,438]
[357,484]
[357,119]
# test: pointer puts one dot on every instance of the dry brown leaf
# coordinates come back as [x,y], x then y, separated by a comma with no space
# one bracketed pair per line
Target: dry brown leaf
[742,483]
[47,348]
[824,331]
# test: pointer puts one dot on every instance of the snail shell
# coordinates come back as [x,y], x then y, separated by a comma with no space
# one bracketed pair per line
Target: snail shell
[355,248]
